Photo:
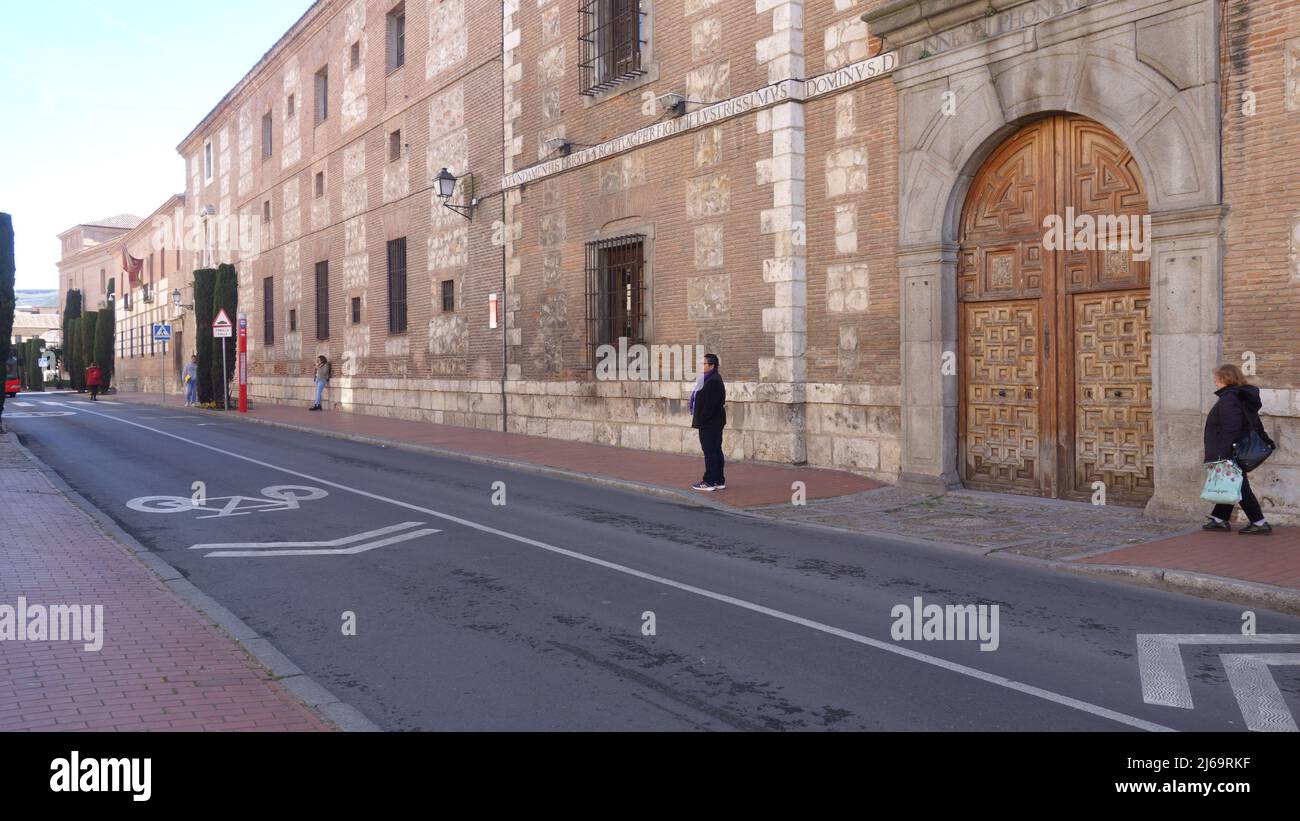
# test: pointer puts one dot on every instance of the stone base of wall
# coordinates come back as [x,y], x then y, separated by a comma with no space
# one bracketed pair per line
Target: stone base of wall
[854,428]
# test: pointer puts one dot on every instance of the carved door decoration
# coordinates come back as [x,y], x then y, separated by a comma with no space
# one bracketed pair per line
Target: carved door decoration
[1056,338]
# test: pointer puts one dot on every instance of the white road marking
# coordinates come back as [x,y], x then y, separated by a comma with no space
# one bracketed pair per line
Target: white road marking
[54,404]
[346,540]
[38,414]
[934,661]
[18,404]
[1160,662]
[1257,693]
[338,551]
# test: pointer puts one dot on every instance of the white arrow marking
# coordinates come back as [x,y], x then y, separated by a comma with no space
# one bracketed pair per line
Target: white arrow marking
[1257,693]
[335,547]
[1160,661]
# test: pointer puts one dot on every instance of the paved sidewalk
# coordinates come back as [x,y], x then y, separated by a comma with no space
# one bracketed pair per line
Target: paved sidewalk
[748,483]
[162,665]
[1273,560]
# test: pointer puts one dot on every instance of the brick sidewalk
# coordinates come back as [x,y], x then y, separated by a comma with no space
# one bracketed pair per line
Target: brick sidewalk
[162,665]
[1272,560]
[749,484]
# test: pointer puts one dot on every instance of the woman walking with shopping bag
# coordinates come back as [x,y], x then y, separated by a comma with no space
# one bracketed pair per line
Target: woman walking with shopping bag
[1234,417]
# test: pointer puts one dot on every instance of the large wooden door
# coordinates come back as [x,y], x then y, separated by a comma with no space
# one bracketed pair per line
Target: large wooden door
[1056,340]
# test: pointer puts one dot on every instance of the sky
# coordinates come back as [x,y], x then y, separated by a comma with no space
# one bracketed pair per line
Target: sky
[95,97]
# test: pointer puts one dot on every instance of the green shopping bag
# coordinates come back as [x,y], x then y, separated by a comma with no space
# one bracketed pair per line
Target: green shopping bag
[1222,482]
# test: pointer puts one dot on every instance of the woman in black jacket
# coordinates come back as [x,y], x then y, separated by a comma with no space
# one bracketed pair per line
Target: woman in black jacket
[1232,417]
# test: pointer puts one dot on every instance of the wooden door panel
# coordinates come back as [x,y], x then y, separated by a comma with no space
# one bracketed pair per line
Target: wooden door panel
[1001,427]
[1056,348]
[1113,435]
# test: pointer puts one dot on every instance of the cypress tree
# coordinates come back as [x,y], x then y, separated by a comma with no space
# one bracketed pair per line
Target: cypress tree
[35,379]
[204,281]
[7,296]
[71,313]
[89,321]
[105,334]
[72,350]
[225,295]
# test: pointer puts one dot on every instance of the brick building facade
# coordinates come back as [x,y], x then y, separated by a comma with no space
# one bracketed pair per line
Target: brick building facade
[844,199]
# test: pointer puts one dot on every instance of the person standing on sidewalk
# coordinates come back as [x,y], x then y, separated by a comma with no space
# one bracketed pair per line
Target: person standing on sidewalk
[322,379]
[708,408]
[190,378]
[1233,415]
[94,378]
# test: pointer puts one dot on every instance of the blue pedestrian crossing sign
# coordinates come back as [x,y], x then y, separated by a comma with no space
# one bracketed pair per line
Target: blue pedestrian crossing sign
[162,332]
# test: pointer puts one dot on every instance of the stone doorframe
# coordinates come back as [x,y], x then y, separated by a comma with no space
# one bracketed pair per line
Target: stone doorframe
[1147,70]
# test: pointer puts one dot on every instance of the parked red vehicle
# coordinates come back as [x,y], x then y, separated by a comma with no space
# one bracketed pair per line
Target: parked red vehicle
[12,383]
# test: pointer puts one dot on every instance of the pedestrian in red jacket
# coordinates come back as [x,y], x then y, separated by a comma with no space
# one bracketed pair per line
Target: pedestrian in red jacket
[94,378]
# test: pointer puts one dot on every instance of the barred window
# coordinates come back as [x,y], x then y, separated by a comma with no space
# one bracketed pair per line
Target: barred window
[397,286]
[448,295]
[268,310]
[323,300]
[615,292]
[610,45]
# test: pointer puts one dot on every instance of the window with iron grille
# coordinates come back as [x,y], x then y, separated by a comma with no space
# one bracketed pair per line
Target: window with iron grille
[267,131]
[448,295]
[322,94]
[356,310]
[323,300]
[615,292]
[268,310]
[397,286]
[610,45]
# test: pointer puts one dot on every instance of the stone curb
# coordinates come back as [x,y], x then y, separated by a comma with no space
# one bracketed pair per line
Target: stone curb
[1207,586]
[331,709]
[695,497]
[1202,585]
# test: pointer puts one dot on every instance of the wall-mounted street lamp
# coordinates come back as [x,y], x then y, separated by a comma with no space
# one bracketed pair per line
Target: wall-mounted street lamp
[178,303]
[446,186]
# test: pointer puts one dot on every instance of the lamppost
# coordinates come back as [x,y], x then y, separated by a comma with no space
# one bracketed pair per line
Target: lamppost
[446,183]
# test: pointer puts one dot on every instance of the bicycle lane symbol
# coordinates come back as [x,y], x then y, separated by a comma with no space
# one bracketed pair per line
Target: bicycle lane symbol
[273,499]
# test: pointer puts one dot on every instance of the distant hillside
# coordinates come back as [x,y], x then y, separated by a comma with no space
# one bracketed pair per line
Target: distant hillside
[37,299]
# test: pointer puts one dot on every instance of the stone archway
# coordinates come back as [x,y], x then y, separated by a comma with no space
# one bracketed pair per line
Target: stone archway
[1153,82]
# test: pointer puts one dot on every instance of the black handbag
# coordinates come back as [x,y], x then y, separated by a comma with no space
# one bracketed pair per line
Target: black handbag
[1254,446]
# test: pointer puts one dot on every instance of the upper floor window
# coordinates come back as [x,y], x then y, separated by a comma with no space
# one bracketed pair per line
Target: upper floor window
[207,161]
[611,44]
[289,106]
[322,94]
[355,54]
[267,131]
[396,27]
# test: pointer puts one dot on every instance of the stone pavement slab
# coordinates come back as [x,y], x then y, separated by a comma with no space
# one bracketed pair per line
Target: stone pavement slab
[162,665]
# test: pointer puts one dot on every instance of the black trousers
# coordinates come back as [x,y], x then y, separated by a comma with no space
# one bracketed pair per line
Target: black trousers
[711,444]
[1249,504]
[94,391]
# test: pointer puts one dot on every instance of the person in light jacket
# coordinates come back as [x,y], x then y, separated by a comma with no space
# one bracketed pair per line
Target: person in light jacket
[708,408]
[190,378]
[1232,416]
[322,379]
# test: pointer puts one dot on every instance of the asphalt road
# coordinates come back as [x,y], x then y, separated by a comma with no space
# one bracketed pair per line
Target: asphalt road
[532,614]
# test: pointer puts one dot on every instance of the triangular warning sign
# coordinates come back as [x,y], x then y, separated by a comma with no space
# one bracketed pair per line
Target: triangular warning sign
[222,321]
